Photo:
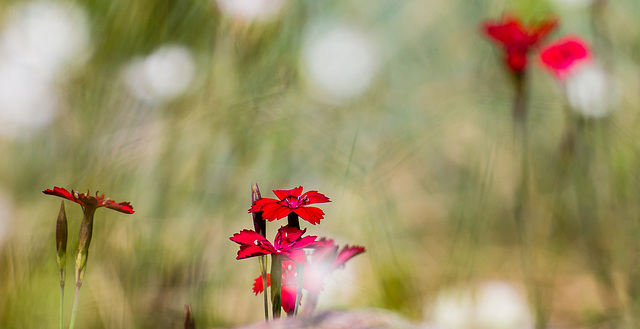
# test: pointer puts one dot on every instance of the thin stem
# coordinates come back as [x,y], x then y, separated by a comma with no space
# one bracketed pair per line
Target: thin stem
[74,313]
[293,220]
[310,304]
[263,271]
[521,137]
[300,275]
[61,305]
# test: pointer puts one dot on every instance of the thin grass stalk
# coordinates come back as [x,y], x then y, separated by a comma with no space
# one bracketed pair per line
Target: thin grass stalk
[261,227]
[521,207]
[74,312]
[263,273]
[587,203]
[300,276]
[62,306]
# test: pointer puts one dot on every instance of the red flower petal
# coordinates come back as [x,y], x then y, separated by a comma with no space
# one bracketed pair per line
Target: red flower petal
[259,204]
[258,287]
[516,39]
[283,194]
[123,207]
[543,29]
[287,235]
[61,192]
[315,197]
[252,244]
[276,211]
[507,32]
[87,200]
[312,215]
[288,297]
[297,256]
[347,253]
[517,60]
[561,56]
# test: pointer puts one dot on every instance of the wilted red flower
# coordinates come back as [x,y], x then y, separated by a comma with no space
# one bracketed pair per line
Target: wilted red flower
[289,285]
[288,242]
[89,202]
[89,205]
[562,56]
[326,258]
[291,201]
[517,39]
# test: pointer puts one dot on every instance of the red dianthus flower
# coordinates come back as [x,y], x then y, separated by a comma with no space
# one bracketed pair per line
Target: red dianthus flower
[562,56]
[291,201]
[516,39]
[288,242]
[89,202]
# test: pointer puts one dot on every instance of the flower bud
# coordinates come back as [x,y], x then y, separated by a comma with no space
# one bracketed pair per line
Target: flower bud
[258,222]
[189,322]
[61,242]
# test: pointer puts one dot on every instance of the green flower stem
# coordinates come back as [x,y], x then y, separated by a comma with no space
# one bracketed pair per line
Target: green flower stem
[276,284]
[521,208]
[263,273]
[84,240]
[74,312]
[62,306]
[300,275]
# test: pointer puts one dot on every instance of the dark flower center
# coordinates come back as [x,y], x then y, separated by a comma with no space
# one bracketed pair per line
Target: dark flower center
[293,202]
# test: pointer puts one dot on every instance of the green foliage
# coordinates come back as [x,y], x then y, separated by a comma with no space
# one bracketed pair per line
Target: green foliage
[420,168]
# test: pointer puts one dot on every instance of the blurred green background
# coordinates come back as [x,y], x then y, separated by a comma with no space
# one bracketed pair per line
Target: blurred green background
[399,111]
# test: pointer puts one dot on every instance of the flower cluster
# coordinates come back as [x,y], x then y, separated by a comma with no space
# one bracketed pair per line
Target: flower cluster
[298,261]
[588,88]
[517,40]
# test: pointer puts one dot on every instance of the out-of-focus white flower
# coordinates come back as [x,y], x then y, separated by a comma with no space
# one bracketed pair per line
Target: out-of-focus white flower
[500,306]
[39,40]
[340,62]
[453,309]
[251,9]
[49,35]
[591,92]
[27,100]
[163,75]
[494,305]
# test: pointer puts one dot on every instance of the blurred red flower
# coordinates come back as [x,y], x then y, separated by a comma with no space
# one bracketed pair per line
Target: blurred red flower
[288,242]
[562,56]
[291,201]
[89,202]
[517,39]
[326,258]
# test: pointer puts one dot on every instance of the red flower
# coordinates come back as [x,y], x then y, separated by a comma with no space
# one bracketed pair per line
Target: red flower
[289,285]
[258,286]
[288,242]
[90,202]
[291,201]
[516,39]
[562,56]
[326,258]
